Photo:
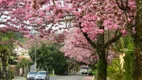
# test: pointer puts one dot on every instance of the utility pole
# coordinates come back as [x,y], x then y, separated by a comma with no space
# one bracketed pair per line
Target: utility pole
[35,45]
[35,54]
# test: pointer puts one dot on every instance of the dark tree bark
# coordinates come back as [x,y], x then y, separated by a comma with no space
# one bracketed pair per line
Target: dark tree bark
[102,66]
[4,59]
[4,66]
[102,63]
[137,74]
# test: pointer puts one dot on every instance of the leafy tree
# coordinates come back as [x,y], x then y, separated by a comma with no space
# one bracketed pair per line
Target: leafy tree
[24,62]
[72,64]
[138,43]
[124,46]
[49,57]
[7,40]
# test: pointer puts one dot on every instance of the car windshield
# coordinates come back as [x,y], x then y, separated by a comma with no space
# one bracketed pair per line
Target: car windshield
[32,73]
[41,73]
[84,67]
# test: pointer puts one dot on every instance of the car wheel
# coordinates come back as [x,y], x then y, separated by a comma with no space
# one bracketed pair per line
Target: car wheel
[48,78]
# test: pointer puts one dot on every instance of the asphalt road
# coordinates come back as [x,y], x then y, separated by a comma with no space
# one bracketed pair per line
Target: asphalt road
[69,77]
[65,77]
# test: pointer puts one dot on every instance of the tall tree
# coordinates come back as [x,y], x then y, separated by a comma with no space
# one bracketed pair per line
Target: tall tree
[49,58]
[7,41]
[93,18]
[138,43]
[77,47]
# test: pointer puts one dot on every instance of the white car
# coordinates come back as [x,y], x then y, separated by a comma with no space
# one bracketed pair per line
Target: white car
[84,70]
[41,75]
[31,75]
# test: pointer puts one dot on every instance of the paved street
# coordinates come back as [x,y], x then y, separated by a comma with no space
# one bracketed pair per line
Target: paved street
[69,77]
[74,77]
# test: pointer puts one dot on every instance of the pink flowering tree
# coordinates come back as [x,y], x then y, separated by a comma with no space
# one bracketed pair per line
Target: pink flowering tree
[100,22]
[77,47]
[10,32]
[95,19]
[8,21]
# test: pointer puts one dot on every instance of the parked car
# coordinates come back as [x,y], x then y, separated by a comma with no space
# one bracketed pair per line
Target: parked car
[65,73]
[41,75]
[84,69]
[31,75]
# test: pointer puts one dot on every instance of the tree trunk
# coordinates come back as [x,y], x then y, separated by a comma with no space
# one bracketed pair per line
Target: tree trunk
[137,74]
[4,66]
[23,71]
[1,77]
[137,60]
[102,66]
[102,63]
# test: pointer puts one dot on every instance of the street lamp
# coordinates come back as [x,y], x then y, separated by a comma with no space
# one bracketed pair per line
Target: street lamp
[35,55]
[34,33]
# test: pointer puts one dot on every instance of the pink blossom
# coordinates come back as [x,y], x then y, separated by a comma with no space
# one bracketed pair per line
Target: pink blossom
[27,36]
[101,31]
[11,4]
[40,21]
[124,32]
[87,16]
[42,13]
[133,29]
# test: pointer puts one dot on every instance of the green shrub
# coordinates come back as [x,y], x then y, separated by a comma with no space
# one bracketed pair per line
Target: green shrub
[94,72]
[114,70]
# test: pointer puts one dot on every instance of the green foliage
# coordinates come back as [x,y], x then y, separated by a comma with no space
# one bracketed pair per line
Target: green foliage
[129,57]
[49,57]
[94,72]
[6,53]
[8,37]
[128,66]
[24,62]
[114,71]
[94,68]
[11,76]
[124,45]
[6,49]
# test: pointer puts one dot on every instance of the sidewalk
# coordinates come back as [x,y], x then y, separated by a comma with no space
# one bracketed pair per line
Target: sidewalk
[19,78]
[89,78]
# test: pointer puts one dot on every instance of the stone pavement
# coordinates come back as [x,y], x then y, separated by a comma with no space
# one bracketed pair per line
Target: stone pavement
[19,78]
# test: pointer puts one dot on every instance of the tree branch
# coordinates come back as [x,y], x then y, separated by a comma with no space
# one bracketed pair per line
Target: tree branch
[2,22]
[112,40]
[87,38]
